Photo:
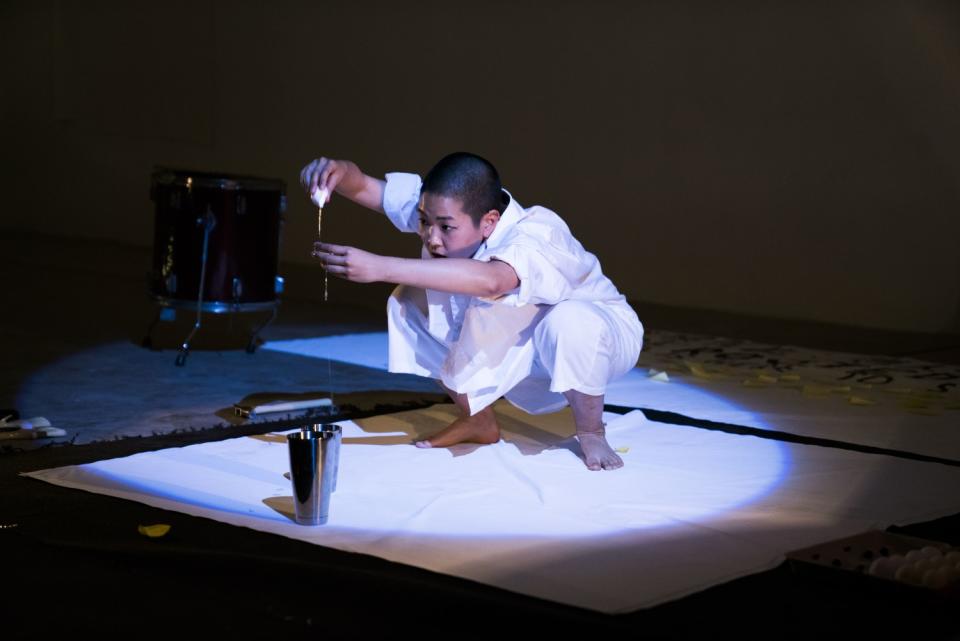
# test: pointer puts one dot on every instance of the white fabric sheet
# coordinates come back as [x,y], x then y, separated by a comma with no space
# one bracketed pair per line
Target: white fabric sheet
[780,407]
[368,349]
[691,508]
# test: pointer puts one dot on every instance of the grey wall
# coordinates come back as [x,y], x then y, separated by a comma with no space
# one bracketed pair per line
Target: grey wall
[785,159]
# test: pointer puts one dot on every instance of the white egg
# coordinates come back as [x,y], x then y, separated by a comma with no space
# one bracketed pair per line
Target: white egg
[896,561]
[953,556]
[907,574]
[319,196]
[934,579]
[930,552]
[953,573]
[881,568]
[923,565]
[913,555]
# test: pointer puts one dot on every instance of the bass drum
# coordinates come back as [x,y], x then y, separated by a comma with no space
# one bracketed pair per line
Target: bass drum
[216,240]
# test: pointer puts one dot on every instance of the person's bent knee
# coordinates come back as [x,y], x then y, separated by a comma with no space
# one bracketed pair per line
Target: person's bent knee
[570,317]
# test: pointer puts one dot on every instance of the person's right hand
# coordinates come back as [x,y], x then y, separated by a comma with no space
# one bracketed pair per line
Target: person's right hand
[323,173]
[344,177]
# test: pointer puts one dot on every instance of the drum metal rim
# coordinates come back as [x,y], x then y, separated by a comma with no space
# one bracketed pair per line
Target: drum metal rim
[216,306]
[226,182]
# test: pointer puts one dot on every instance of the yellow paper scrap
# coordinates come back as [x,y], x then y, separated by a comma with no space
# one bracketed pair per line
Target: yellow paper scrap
[790,378]
[754,382]
[697,370]
[859,400]
[153,531]
[766,378]
[622,450]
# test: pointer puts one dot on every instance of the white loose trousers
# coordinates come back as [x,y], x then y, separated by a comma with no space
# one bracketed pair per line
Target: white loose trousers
[529,354]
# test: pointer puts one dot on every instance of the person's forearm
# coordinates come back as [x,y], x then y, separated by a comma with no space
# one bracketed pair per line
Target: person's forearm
[454,275]
[360,188]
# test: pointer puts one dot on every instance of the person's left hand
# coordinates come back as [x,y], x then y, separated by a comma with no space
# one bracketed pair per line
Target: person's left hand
[349,262]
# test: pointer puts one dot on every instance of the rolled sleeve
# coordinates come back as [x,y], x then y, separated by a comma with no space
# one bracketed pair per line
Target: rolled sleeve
[400,198]
[540,281]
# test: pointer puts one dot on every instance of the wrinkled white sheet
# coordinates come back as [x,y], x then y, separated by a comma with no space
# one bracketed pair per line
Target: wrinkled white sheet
[691,508]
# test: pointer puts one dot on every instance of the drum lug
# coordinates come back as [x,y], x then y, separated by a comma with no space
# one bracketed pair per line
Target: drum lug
[237,288]
[283,203]
[278,285]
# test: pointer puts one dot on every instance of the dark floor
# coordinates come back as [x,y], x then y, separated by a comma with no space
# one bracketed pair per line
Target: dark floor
[77,564]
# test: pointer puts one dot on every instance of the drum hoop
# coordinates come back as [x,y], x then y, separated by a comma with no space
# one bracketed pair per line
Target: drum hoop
[215,306]
[225,182]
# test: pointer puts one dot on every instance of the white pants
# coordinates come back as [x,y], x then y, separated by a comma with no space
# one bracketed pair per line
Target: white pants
[529,354]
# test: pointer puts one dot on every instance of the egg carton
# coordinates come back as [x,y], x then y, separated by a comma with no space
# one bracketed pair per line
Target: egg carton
[871,559]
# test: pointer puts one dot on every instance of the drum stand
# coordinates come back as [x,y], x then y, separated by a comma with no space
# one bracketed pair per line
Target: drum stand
[209,221]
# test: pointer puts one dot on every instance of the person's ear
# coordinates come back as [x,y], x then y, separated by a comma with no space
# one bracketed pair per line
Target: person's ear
[489,222]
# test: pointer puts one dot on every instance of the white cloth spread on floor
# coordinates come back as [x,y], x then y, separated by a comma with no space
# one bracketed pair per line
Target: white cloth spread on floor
[691,508]
[487,348]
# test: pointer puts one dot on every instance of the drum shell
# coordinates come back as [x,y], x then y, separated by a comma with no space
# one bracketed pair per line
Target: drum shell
[243,247]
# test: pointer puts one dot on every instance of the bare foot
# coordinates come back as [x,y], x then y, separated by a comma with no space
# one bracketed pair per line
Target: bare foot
[482,428]
[597,452]
[588,417]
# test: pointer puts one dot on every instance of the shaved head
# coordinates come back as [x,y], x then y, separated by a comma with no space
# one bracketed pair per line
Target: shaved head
[472,180]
